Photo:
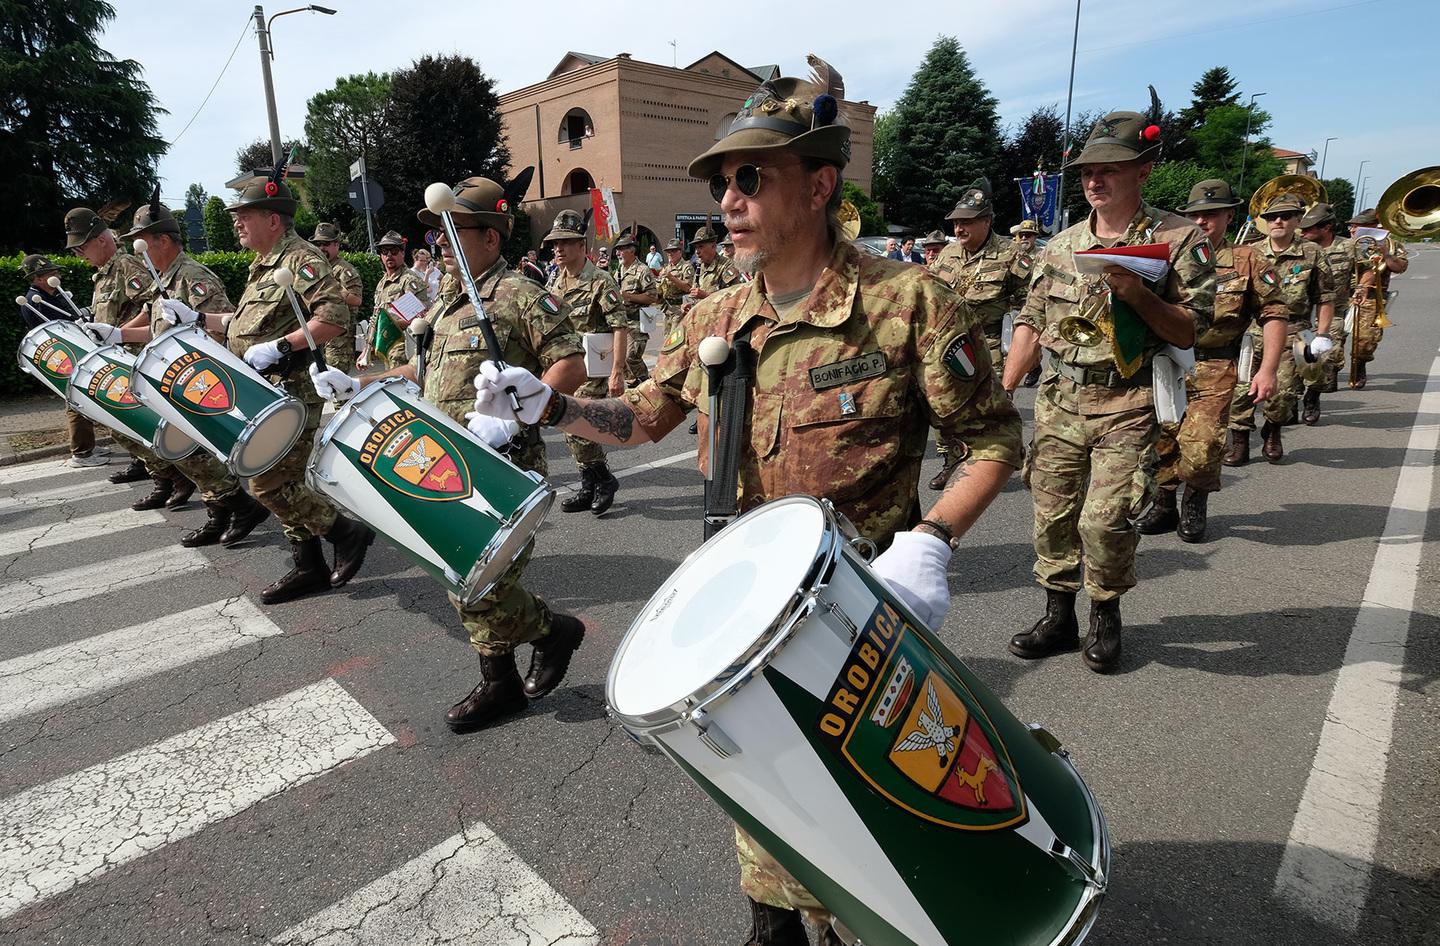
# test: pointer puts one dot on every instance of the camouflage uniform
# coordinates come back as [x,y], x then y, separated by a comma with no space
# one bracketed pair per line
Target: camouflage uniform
[916,362]
[671,298]
[993,280]
[717,274]
[123,290]
[340,351]
[391,287]
[1092,458]
[1190,451]
[594,307]
[1340,254]
[1367,333]
[1302,279]
[635,278]
[534,331]
[264,315]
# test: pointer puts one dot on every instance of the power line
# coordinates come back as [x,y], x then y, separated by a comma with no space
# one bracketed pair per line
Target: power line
[213,85]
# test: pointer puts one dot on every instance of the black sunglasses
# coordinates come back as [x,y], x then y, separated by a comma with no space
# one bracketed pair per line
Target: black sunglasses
[1286,215]
[747,181]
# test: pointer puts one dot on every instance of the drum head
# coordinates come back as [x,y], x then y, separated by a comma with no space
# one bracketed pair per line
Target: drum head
[172,443]
[714,608]
[270,436]
[508,543]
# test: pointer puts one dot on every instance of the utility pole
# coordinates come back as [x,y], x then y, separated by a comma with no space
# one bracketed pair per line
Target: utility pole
[263,32]
[1249,113]
[1064,212]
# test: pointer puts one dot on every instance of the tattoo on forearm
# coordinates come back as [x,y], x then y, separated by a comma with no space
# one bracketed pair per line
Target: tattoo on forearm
[610,416]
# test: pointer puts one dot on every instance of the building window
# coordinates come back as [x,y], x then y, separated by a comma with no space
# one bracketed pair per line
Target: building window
[575,127]
[577,181]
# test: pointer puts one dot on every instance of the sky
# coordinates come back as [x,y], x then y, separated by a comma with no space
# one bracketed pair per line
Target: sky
[1378,104]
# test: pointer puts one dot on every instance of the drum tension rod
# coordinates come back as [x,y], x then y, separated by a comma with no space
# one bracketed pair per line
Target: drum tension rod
[839,614]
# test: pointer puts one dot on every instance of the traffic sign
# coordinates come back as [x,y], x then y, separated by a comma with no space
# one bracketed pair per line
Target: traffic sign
[372,190]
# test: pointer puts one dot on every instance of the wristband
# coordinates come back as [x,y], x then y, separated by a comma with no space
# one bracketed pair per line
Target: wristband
[554,411]
[942,530]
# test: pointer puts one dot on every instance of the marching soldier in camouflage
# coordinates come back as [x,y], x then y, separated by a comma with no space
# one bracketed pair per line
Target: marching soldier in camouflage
[192,293]
[123,291]
[857,358]
[637,289]
[263,332]
[672,276]
[340,350]
[1374,264]
[1318,226]
[1025,233]
[535,332]
[931,246]
[981,267]
[596,309]
[1190,450]
[715,271]
[1298,269]
[1091,463]
[389,340]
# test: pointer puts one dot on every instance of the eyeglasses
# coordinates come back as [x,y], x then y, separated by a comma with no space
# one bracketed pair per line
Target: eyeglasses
[1286,215]
[747,181]
[388,250]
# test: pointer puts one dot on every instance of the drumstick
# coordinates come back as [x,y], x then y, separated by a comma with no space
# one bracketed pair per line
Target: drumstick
[420,328]
[54,283]
[143,249]
[24,303]
[286,280]
[440,199]
[713,352]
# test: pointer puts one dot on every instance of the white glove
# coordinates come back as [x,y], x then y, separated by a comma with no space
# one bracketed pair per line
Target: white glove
[492,430]
[262,356]
[492,400]
[178,313]
[333,384]
[104,334]
[914,568]
[1319,345]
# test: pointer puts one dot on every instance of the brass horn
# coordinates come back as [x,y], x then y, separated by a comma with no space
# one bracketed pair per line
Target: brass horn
[1088,327]
[1410,208]
[849,220]
[1307,189]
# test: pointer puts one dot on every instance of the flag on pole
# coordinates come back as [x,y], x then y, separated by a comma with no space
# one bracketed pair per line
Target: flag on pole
[607,220]
[1040,198]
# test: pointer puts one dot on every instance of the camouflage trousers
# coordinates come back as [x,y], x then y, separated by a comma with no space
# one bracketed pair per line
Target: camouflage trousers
[1367,333]
[156,467]
[1335,358]
[765,880]
[1287,390]
[82,433]
[1090,477]
[635,368]
[282,489]
[587,452]
[1190,451]
[507,615]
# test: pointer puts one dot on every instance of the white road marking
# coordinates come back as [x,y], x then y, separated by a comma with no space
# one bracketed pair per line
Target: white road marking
[21,472]
[1331,850]
[58,675]
[58,533]
[64,494]
[116,574]
[631,471]
[470,888]
[61,834]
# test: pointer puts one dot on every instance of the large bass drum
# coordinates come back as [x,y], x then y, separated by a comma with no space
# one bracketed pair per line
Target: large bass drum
[793,686]
[50,352]
[101,391]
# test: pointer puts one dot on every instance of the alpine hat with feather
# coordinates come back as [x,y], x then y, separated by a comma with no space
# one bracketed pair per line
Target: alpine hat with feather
[269,194]
[153,217]
[480,201]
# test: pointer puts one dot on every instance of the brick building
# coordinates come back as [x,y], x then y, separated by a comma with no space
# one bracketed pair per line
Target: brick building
[634,126]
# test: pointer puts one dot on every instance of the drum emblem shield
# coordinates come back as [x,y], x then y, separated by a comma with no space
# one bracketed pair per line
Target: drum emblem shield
[416,458]
[54,359]
[199,384]
[111,385]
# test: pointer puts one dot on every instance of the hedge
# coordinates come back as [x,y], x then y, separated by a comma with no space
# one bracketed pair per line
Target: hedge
[232,268]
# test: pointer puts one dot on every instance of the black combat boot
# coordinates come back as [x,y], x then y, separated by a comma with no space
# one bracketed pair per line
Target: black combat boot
[351,540]
[245,515]
[1311,416]
[210,532]
[584,496]
[133,473]
[1239,452]
[550,657]
[1162,516]
[307,577]
[181,492]
[942,479]
[157,497]
[1102,644]
[606,485]
[1192,515]
[1273,449]
[776,926]
[499,694]
[1056,632]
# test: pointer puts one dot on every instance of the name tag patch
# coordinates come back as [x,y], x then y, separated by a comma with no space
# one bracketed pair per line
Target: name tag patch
[869,365]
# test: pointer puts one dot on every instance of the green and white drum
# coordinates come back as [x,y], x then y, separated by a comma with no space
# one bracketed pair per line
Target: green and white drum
[101,391]
[50,352]
[200,388]
[793,686]
[457,508]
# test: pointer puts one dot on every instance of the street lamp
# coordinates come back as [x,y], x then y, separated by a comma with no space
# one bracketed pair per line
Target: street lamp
[267,53]
[1249,113]
[1325,155]
[1363,184]
[1358,188]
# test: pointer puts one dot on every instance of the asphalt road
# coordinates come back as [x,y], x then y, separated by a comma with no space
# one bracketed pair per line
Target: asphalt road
[177,766]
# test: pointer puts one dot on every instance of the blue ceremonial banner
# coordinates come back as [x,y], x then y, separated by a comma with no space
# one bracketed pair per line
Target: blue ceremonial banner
[1040,198]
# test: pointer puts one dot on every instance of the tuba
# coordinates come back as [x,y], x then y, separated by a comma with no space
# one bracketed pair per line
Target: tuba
[1307,189]
[1410,208]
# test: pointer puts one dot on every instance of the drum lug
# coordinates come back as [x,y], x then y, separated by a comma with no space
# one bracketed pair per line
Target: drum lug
[839,614]
[1047,741]
[1071,858]
[712,735]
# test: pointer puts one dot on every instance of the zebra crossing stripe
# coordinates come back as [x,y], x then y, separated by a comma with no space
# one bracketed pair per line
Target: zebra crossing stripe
[21,472]
[72,492]
[16,541]
[59,675]
[74,829]
[107,577]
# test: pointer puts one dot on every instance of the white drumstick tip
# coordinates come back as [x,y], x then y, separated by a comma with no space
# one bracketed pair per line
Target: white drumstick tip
[419,326]
[714,350]
[439,198]
[283,278]
[20,301]
[53,282]
[141,247]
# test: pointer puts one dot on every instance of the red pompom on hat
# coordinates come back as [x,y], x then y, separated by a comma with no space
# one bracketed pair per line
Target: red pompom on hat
[1151,133]
[271,189]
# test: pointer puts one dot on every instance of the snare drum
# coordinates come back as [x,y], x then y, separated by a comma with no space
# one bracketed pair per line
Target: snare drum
[101,391]
[457,508]
[793,686]
[50,352]
[200,388]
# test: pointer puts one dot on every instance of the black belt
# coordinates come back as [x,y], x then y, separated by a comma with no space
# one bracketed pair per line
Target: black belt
[1224,353]
[1107,377]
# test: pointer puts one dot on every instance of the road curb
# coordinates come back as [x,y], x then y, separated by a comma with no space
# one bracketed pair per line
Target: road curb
[7,458]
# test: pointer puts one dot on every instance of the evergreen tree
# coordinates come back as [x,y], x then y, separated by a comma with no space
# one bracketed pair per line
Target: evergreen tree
[1216,88]
[77,125]
[192,226]
[947,134]
[1033,142]
[219,229]
[1341,194]
[342,124]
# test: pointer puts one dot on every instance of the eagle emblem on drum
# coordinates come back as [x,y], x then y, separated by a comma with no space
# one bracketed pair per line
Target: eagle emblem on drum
[111,384]
[205,390]
[416,458]
[54,359]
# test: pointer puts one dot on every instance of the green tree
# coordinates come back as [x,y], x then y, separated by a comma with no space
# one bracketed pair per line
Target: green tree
[882,183]
[342,124]
[76,124]
[1168,186]
[219,230]
[872,221]
[947,134]
[1220,144]
[256,155]
[1031,143]
[1216,88]
[1341,194]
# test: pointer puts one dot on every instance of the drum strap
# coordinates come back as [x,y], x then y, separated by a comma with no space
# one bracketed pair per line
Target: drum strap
[722,499]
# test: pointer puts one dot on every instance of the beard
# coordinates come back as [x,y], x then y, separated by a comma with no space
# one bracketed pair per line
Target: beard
[785,231]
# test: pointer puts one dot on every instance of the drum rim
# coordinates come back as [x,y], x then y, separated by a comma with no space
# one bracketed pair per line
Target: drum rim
[767,645]
[542,499]
[1087,908]
[28,366]
[157,446]
[253,423]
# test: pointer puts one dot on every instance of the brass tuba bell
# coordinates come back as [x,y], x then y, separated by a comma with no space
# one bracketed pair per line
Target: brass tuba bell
[1307,189]
[1410,208]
